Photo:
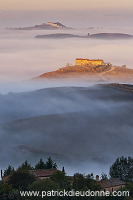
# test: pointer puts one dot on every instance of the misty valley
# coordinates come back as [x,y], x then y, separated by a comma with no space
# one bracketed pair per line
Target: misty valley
[51,106]
[66,100]
[83,128]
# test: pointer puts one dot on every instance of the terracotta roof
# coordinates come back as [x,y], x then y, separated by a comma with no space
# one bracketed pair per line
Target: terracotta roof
[111,182]
[43,172]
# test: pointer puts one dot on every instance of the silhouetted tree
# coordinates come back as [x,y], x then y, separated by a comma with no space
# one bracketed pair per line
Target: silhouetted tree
[60,178]
[21,179]
[104,176]
[50,164]
[63,169]
[55,166]
[9,171]
[40,165]
[122,169]
[82,182]
[25,166]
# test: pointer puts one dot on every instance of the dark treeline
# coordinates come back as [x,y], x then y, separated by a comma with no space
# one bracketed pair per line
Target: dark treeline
[49,164]
[21,179]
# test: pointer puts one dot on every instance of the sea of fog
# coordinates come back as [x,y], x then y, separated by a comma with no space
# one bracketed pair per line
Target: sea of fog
[23,57]
[83,129]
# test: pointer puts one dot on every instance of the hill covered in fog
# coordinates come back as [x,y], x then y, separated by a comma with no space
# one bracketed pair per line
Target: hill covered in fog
[111,36]
[103,36]
[44,26]
[89,125]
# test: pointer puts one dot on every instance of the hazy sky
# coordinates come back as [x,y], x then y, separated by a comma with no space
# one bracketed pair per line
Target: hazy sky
[65,4]
[75,13]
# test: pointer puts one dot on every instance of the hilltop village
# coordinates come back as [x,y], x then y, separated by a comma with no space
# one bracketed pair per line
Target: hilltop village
[96,62]
[91,70]
[87,65]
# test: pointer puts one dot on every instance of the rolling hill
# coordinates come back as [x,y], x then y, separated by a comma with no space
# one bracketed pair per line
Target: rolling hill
[111,36]
[91,73]
[44,26]
[83,124]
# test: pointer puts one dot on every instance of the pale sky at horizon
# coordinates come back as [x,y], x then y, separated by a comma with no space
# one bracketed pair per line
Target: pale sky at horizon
[73,13]
[65,4]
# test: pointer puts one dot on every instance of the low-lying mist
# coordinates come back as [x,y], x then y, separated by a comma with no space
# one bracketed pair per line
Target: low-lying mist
[83,128]
[24,57]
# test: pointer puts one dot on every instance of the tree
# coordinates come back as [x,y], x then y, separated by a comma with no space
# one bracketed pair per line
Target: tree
[40,165]
[63,169]
[90,176]
[21,179]
[44,185]
[25,166]
[9,170]
[104,176]
[55,166]
[82,182]
[122,168]
[5,189]
[91,183]
[129,187]
[50,164]
[79,181]
[60,178]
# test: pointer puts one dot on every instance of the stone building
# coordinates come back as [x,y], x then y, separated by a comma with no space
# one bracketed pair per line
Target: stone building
[111,185]
[39,174]
[42,174]
[81,61]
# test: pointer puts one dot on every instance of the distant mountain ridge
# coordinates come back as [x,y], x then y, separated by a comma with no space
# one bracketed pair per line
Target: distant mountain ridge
[44,26]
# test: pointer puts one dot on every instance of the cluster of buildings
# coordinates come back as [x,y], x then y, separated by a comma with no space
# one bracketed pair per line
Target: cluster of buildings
[110,185]
[96,62]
